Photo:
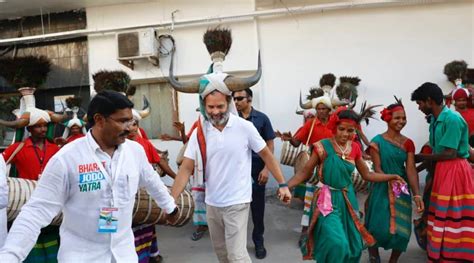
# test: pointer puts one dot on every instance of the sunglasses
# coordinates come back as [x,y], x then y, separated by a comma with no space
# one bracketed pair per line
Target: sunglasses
[239,98]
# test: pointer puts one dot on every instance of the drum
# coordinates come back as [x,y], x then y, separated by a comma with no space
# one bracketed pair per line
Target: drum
[180,157]
[20,191]
[289,153]
[360,185]
[146,211]
[163,156]
[301,159]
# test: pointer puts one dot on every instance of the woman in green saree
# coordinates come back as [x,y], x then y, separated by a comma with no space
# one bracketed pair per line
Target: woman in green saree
[335,233]
[388,218]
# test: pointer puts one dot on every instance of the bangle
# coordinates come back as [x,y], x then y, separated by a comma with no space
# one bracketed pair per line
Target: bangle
[282,185]
[416,196]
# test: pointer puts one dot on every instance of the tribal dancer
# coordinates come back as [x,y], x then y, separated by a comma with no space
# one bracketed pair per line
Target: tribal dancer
[30,158]
[388,216]
[311,132]
[75,127]
[450,224]
[335,232]
[455,71]
[462,97]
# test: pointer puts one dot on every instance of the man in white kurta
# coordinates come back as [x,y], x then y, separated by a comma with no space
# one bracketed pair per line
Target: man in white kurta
[3,202]
[97,173]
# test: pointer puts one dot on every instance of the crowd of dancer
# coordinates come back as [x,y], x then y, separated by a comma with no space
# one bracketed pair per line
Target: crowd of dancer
[92,176]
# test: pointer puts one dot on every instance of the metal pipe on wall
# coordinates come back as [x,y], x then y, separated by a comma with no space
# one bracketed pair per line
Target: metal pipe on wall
[205,20]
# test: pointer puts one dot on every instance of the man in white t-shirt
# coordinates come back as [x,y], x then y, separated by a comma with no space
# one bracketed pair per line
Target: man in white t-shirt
[221,147]
[93,181]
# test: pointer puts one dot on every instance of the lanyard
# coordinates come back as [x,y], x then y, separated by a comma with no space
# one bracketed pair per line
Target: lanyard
[40,159]
[110,179]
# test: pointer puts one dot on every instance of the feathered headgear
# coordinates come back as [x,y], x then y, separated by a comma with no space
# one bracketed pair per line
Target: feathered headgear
[73,103]
[116,80]
[366,112]
[26,74]
[119,80]
[347,89]
[456,71]
[327,82]
[315,92]
[218,42]
[322,94]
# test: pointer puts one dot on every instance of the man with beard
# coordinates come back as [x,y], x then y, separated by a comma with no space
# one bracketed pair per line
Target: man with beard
[243,103]
[226,158]
[450,210]
[93,181]
[30,158]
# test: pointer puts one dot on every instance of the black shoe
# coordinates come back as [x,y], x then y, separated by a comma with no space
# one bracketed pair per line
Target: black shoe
[260,252]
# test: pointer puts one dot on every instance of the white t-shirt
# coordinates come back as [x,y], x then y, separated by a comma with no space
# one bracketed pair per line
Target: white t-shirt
[228,177]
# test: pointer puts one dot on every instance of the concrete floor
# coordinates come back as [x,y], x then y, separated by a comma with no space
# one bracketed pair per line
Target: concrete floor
[281,236]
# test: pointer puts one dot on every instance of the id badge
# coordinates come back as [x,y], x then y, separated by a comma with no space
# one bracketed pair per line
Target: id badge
[108,223]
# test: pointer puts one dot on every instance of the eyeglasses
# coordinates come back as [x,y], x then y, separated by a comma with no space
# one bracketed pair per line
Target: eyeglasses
[124,122]
[239,98]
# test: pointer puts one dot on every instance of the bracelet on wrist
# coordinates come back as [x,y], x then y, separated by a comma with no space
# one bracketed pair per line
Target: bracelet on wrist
[282,185]
[417,196]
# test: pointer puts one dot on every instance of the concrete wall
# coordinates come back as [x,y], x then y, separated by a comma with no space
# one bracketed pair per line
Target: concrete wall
[393,50]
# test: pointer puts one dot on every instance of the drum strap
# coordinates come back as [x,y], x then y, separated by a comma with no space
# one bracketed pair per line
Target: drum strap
[18,149]
[202,146]
[310,131]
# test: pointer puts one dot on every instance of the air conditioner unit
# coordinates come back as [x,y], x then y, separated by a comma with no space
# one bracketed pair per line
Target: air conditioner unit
[138,44]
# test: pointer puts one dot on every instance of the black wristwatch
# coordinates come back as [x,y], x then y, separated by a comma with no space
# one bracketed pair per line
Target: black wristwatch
[174,212]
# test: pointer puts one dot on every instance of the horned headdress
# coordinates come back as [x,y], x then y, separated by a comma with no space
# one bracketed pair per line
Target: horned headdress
[322,94]
[26,74]
[346,91]
[455,71]
[119,81]
[218,42]
[73,104]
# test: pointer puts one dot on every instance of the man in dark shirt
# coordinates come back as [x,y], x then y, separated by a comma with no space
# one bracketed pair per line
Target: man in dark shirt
[243,103]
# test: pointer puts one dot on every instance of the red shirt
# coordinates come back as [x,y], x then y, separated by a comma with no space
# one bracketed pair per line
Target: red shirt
[320,131]
[74,137]
[468,116]
[27,160]
[150,150]
[143,133]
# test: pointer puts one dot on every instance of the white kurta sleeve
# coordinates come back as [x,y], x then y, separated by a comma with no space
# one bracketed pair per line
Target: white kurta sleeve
[3,185]
[45,203]
[151,180]
[3,202]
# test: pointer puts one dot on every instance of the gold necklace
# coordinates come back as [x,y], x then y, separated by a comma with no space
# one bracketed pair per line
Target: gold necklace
[343,152]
